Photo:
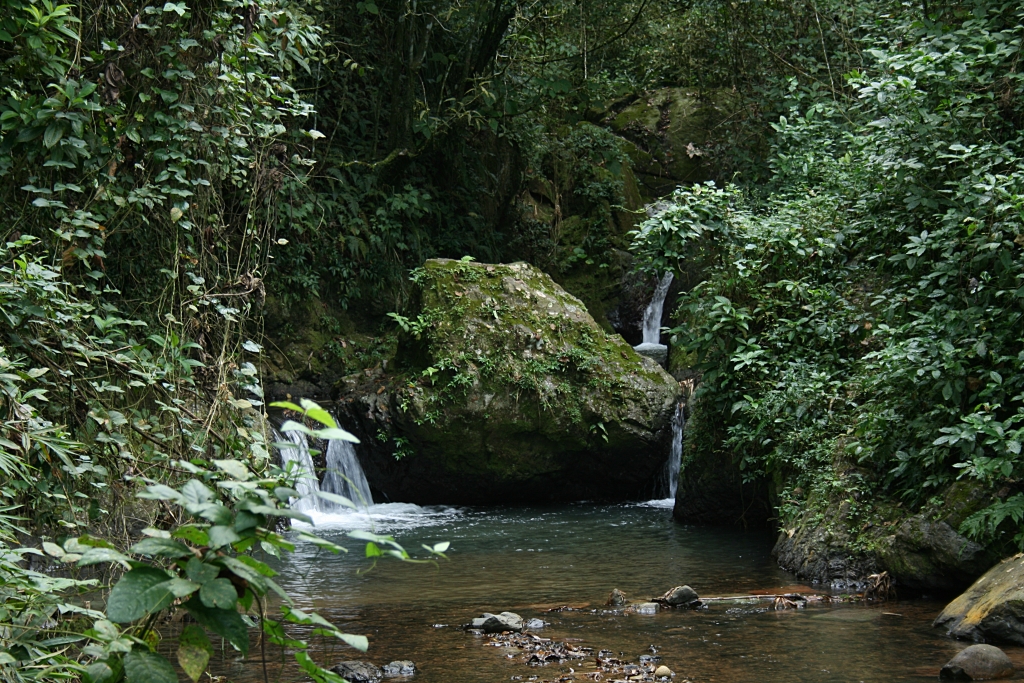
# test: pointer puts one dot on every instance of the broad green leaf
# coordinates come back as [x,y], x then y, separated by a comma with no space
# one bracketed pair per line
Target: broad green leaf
[160,547]
[193,534]
[221,536]
[225,623]
[234,468]
[143,666]
[200,572]
[130,598]
[218,593]
[336,434]
[194,651]
[103,555]
[336,499]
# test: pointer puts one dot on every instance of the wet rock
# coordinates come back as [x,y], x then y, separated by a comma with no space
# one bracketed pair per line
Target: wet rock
[992,609]
[534,624]
[680,596]
[616,598]
[663,671]
[358,672]
[401,667]
[645,607]
[497,623]
[649,659]
[977,663]
[656,352]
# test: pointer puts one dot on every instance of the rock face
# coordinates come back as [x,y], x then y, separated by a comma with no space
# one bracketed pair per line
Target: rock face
[665,132]
[510,392]
[992,609]
[497,623]
[358,672]
[977,663]
[922,551]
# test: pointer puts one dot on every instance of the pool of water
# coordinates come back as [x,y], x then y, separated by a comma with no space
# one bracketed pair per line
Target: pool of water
[532,559]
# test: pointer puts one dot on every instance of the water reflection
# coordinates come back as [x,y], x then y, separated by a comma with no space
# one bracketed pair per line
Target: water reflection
[532,559]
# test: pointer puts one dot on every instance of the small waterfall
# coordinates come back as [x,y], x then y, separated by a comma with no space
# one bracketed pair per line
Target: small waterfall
[345,476]
[307,484]
[652,315]
[675,457]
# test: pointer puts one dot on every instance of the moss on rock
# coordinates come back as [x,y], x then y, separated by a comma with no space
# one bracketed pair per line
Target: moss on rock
[513,390]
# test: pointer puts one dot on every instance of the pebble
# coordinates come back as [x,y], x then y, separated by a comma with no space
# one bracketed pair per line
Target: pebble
[663,671]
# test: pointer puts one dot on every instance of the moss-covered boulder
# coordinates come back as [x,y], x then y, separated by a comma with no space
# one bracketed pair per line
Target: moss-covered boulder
[992,609]
[510,391]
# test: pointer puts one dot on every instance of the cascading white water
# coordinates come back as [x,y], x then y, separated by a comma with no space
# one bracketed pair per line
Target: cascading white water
[675,457]
[345,476]
[306,484]
[652,315]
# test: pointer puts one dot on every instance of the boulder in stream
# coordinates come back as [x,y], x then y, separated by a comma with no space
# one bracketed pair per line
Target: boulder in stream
[358,672]
[497,623]
[508,391]
[680,596]
[401,667]
[992,609]
[977,663]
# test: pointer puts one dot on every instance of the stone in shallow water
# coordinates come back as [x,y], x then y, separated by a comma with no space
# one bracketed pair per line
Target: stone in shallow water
[657,352]
[680,595]
[536,623]
[977,663]
[358,672]
[402,667]
[663,671]
[496,623]
[992,609]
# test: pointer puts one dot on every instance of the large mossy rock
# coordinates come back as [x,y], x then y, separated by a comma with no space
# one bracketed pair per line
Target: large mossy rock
[665,132]
[992,609]
[512,392]
[921,550]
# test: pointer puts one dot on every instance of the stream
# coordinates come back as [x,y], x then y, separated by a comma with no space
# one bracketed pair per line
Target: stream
[532,559]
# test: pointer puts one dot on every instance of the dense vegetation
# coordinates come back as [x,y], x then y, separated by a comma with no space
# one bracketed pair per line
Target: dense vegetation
[858,317]
[169,172]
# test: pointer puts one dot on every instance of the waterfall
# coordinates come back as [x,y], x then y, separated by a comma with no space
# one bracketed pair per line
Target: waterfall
[307,484]
[652,316]
[345,476]
[675,457]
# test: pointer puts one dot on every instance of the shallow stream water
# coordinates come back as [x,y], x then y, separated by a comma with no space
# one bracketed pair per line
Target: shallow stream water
[532,559]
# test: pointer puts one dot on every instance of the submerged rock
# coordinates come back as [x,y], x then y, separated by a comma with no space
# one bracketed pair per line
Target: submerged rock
[401,667]
[616,598]
[510,392]
[645,607]
[992,609]
[680,596]
[497,623]
[977,663]
[358,672]
[534,624]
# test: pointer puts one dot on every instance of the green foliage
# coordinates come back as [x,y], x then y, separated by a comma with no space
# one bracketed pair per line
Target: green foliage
[864,318]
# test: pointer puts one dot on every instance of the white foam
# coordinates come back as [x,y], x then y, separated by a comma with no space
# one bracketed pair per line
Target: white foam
[668,503]
[380,518]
